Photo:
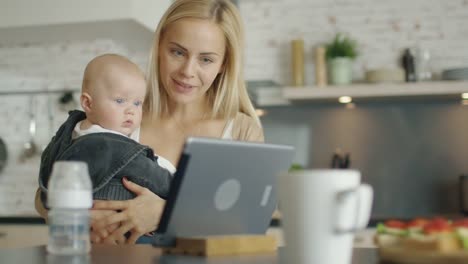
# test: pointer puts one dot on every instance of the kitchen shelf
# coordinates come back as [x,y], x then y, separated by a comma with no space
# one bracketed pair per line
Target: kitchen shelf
[439,89]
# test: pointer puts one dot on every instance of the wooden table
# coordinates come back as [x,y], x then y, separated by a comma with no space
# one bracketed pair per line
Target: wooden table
[145,254]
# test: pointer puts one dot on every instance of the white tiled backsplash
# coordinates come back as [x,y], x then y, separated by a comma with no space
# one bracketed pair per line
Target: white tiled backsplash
[382,29]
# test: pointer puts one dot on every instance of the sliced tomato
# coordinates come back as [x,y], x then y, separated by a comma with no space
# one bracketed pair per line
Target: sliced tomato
[433,229]
[461,223]
[417,222]
[395,224]
[438,225]
[440,221]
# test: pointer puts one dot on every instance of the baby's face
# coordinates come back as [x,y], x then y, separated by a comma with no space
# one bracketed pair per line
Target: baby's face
[117,105]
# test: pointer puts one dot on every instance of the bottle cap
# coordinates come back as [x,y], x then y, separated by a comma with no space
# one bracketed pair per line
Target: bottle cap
[70,186]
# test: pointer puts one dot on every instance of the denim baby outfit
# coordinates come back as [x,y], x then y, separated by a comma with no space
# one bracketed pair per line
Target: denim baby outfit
[110,157]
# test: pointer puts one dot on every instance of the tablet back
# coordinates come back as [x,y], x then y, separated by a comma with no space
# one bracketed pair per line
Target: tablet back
[224,187]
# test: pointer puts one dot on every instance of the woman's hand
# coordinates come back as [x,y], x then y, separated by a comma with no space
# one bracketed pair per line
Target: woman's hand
[138,216]
[98,233]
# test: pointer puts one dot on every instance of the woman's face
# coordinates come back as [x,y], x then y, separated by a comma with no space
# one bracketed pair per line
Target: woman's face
[191,54]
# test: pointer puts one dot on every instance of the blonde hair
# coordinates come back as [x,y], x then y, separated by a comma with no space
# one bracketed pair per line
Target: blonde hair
[228,94]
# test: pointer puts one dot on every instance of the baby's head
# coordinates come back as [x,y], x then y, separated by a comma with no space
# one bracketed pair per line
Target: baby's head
[113,92]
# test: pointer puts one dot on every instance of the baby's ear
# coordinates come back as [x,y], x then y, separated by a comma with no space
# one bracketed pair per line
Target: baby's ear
[86,102]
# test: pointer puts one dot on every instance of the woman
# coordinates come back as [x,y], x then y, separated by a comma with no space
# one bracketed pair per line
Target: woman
[195,88]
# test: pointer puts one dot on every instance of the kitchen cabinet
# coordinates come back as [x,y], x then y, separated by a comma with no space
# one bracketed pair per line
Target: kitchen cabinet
[21,235]
[131,22]
[20,13]
[437,90]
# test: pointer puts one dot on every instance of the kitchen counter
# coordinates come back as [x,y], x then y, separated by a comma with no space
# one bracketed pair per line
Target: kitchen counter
[103,254]
[22,235]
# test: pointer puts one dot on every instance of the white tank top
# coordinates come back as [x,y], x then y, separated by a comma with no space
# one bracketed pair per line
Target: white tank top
[165,163]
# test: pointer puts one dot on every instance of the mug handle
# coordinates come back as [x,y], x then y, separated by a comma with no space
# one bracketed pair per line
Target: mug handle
[361,210]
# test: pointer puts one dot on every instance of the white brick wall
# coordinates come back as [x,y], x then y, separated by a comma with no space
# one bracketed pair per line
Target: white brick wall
[382,29]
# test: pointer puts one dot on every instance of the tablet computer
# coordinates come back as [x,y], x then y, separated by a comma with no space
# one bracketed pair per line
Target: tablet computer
[222,187]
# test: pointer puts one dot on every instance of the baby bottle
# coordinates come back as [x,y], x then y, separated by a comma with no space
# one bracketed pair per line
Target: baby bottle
[69,199]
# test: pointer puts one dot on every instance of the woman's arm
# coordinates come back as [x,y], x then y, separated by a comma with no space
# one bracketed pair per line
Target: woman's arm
[138,216]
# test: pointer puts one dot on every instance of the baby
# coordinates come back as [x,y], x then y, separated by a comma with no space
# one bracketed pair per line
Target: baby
[112,96]
[106,135]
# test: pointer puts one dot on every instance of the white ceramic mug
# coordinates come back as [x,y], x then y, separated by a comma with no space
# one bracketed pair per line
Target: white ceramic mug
[320,210]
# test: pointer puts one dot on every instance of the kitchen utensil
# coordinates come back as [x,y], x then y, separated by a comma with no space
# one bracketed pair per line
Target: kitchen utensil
[3,155]
[408,64]
[297,51]
[384,75]
[423,67]
[67,102]
[340,160]
[455,74]
[320,67]
[50,115]
[30,148]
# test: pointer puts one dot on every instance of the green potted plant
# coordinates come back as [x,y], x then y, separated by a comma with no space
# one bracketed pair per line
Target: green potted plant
[340,53]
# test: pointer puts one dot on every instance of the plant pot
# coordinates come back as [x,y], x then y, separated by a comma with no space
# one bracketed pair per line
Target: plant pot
[340,70]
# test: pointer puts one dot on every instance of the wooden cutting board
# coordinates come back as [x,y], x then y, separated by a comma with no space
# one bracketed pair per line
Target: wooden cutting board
[224,245]
[405,256]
